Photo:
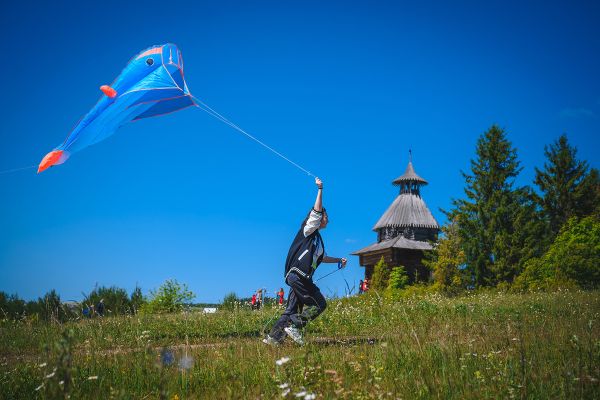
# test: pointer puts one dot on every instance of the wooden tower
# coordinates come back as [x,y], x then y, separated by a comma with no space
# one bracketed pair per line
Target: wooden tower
[404,232]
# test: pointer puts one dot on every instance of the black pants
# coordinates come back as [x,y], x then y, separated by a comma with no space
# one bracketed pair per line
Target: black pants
[305,302]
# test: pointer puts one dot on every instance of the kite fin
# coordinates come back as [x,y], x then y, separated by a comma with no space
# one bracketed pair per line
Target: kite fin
[107,90]
[55,157]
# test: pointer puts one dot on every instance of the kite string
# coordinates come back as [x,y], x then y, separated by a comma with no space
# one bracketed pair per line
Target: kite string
[8,171]
[204,107]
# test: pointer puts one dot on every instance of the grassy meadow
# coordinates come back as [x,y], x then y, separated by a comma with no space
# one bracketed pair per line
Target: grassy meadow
[485,345]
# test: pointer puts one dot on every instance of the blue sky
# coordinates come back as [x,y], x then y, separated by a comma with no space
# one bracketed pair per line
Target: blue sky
[343,88]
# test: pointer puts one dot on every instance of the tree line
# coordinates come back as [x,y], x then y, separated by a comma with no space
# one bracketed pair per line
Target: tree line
[50,307]
[171,296]
[519,237]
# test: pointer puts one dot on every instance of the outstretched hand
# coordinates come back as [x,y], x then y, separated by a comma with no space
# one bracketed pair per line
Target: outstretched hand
[319,183]
[343,261]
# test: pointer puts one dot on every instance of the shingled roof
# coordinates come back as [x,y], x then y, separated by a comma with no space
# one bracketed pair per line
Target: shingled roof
[399,242]
[408,210]
[409,176]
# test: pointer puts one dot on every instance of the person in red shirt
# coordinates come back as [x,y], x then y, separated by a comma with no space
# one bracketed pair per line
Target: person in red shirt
[281,294]
[254,301]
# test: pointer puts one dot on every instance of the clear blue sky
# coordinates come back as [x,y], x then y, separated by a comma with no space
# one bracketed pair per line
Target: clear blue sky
[342,88]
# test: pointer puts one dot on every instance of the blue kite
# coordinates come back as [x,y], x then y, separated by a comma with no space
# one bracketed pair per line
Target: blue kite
[151,84]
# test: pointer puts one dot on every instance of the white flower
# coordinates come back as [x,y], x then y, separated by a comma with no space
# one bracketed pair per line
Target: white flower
[283,386]
[282,360]
[285,392]
[92,378]
[42,365]
[310,396]
[50,375]
[39,387]
[301,394]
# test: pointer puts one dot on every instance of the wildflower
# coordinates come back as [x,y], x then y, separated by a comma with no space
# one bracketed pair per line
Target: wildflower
[285,392]
[39,387]
[310,396]
[301,394]
[284,386]
[92,378]
[50,375]
[282,360]
[42,365]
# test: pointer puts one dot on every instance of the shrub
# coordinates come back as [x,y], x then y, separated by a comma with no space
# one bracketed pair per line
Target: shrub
[171,296]
[573,259]
[230,302]
[446,261]
[398,278]
[380,277]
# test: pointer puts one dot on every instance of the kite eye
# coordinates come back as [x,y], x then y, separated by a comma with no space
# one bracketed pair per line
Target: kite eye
[149,61]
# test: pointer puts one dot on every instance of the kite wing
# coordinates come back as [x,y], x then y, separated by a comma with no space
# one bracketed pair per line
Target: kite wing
[151,84]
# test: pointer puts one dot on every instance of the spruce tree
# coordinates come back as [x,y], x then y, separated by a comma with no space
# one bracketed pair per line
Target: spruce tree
[567,188]
[495,221]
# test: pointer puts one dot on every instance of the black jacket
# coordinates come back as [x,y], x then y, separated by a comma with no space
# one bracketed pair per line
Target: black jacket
[301,254]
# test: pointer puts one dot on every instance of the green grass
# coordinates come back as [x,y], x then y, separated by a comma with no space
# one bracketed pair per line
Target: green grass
[487,345]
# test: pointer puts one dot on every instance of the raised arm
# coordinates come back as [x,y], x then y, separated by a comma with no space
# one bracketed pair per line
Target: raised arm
[319,200]
[316,214]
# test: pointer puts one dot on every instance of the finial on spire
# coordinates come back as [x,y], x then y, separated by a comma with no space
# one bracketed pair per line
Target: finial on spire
[409,175]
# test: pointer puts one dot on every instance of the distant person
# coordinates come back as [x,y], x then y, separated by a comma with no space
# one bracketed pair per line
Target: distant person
[305,301]
[259,298]
[281,295]
[366,285]
[100,308]
[253,301]
[360,287]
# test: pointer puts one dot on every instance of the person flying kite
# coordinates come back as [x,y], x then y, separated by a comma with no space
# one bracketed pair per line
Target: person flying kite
[305,301]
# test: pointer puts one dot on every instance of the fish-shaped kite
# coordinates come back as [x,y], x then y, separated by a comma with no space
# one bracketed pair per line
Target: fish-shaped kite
[151,84]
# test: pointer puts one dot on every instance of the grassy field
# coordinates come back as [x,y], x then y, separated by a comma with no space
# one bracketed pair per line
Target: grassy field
[487,345]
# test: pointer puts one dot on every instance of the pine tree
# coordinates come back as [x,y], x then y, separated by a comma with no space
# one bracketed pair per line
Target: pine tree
[495,221]
[568,189]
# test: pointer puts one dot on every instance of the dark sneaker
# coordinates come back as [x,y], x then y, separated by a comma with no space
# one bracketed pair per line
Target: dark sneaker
[269,340]
[295,334]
